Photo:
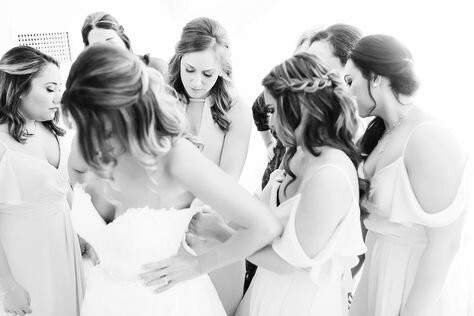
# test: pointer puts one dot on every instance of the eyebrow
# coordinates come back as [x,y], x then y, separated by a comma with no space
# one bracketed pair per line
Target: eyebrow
[191,66]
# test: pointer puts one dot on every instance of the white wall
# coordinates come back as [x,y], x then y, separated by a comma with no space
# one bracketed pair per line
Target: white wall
[264,32]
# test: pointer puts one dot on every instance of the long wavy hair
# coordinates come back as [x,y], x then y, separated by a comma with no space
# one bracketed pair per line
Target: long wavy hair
[198,35]
[383,55]
[18,67]
[303,82]
[120,106]
[103,20]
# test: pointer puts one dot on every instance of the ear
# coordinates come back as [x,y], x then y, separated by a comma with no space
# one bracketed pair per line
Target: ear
[376,80]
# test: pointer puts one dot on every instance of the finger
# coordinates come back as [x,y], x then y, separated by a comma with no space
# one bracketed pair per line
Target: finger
[28,310]
[146,277]
[156,265]
[164,280]
[20,313]
[163,288]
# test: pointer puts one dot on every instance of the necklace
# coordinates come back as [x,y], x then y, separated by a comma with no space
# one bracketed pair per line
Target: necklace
[28,133]
[380,144]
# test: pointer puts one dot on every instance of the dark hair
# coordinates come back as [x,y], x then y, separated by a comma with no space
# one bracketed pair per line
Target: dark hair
[383,55]
[113,96]
[103,20]
[18,67]
[304,82]
[198,35]
[342,37]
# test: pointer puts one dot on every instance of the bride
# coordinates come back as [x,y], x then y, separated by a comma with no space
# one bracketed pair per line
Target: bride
[131,133]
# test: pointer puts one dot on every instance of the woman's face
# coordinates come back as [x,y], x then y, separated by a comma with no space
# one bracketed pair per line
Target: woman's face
[199,72]
[271,105]
[359,89]
[41,101]
[99,35]
[324,50]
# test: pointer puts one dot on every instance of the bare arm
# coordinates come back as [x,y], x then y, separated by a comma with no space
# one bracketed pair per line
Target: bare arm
[435,164]
[237,140]
[213,186]
[325,200]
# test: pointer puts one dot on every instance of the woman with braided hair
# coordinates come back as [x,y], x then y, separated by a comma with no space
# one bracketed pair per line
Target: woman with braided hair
[307,271]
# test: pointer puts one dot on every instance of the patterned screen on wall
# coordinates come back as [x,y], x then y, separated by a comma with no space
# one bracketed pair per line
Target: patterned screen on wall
[55,44]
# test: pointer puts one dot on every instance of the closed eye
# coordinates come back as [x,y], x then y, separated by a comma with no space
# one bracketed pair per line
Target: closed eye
[207,74]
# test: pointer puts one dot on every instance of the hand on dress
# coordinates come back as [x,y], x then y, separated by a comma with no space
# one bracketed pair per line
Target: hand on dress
[167,273]
[17,300]
[208,225]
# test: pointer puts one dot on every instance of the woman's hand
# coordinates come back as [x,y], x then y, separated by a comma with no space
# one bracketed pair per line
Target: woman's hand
[209,225]
[16,300]
[167,273]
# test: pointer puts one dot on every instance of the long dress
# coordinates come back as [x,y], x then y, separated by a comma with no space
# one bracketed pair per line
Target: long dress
[137,237]
[321,284]
[228,280]
[396,239]
[37,235]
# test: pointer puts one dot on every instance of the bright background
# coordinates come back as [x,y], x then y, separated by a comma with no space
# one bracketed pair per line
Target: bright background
[264,33]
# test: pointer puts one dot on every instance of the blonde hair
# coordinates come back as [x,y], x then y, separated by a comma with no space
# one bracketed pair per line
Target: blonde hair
[121,105]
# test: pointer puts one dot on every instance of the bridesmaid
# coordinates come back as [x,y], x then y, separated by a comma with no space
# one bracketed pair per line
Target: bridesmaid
[200,72]
[333,46]
[100,27]
[419,261]
[40,266]
[307,270]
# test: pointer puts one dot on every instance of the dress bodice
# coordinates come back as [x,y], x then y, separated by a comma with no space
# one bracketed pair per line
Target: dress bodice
[341,251]
[137,237]
[28,181]
[394,208]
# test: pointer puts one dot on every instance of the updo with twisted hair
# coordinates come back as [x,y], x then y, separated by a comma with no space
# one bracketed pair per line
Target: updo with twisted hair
[308,95]
[383,55]
[120,106]
[103,20]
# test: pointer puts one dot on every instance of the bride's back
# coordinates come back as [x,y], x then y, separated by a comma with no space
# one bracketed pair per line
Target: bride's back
[135,187]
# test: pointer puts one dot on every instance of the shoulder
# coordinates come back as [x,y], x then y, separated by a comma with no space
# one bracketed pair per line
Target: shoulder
[183,154]
[432,141]
[435,164]
[240,111]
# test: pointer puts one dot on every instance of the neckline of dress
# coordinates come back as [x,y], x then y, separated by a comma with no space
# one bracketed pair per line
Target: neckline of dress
[204,101]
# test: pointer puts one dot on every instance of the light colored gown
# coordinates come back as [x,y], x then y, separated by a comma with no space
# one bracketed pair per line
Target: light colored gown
[36,232]
[396,239]
[321,285]
[229,280]
[137,237]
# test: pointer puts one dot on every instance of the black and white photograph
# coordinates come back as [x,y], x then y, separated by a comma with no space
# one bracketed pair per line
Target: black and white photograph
[236,158]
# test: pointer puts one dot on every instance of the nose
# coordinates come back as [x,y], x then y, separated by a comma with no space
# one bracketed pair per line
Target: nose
[57,97]
[196,82]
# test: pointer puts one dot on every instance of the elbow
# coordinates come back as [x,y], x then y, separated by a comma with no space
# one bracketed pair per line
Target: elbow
[273,229]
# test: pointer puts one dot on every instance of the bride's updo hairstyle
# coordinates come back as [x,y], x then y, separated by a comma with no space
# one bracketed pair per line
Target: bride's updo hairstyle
[307,94]
[120,106]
